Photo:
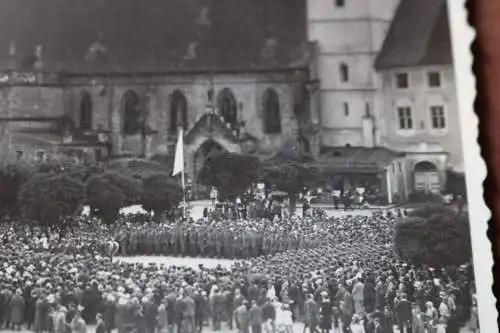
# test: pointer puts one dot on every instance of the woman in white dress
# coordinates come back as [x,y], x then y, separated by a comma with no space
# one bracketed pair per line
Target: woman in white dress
[286,319]
[357,325]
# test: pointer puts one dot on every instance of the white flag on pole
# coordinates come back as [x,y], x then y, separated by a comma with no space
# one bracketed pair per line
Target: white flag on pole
[179,156]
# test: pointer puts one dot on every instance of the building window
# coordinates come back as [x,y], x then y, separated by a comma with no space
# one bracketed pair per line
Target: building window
[178,112]
[272,113]
[86,112]
[393,168]
[402,81]
[437,117]
[227,107]
[132,114]
[40,155]
[405,118]
[434,79]
[400,168]
[340,3]
[344,73]
[346,109]
[19,154]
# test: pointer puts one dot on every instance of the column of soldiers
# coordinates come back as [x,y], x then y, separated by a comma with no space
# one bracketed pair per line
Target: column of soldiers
[182,240]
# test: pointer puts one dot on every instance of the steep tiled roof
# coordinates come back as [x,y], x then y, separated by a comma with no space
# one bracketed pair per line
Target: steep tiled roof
[419,35]
[101,36]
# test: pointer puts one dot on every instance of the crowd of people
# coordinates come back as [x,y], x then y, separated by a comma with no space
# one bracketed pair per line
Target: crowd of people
[335,274]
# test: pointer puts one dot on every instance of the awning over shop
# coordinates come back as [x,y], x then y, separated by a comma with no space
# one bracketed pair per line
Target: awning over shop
[350,160]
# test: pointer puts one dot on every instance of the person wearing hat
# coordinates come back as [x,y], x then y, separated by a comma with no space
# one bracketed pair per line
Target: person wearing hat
[311,314]
[403,309]
[16,310]
[256,317]
[241,316]
[78,324]
[60,324]
[101,325]
[326,313]
[430,317]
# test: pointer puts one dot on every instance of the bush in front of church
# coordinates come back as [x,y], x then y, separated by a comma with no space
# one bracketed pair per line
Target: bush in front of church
[161,194]
[13,174]
[16,172]
[51,200]
[107,193]
[434,236]
[425,197]
[291,171]
[232,174]
[138,168]
[71,166]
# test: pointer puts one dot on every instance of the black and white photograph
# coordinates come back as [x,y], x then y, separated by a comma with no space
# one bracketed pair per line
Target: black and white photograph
[240,166]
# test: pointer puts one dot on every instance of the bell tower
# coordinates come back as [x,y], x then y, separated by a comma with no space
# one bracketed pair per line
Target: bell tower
[349,34]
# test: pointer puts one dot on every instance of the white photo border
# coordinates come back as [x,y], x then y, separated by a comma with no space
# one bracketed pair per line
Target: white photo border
[462,35]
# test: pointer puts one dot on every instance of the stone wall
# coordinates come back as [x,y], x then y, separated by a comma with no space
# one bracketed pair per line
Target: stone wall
[248,90]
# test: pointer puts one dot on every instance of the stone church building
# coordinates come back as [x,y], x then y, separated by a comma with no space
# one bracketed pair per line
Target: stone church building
[111,78]
[98,78]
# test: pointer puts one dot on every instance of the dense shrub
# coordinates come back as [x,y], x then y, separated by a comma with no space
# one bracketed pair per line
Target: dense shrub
[425,197]
[455,183]
[13,174]
[161,194]
[232,174]
[137,168]
[435,236]
[71,166]
[51,200]
[110,191]
[430,210]
[291,172]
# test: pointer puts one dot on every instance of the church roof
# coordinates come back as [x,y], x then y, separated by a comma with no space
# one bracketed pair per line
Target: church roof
[153,36]
[418,36]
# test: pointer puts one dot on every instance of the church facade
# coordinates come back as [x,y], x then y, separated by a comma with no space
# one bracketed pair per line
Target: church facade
[105,78]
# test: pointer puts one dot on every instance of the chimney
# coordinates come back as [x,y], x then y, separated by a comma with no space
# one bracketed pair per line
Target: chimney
[12,55]
[38,65]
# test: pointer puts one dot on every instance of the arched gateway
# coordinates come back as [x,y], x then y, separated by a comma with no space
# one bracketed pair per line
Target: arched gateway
[427,177]
[205,151]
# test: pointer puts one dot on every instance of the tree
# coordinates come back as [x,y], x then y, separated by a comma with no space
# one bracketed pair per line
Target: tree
[434,237]
[291,171]
[455,183]
[111,191]
[232,174]
[74,167]
[13,174]
[161,194]
[51,200]
[137,168]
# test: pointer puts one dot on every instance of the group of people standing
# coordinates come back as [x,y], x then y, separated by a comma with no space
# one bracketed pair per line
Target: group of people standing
[348,279]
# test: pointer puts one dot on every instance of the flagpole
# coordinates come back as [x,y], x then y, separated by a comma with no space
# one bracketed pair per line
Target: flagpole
[183,195]
[179,168]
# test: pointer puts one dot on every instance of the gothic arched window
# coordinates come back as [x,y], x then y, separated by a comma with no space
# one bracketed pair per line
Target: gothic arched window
[226,105]
[344,73]
[132,113]
[178,112]
[86,112]
[272,115]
